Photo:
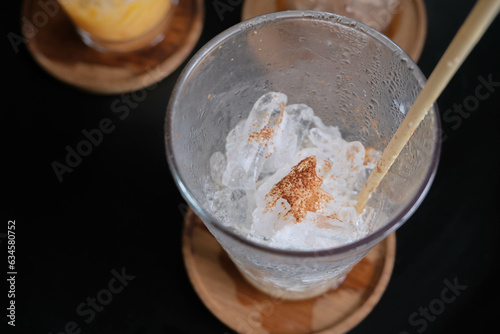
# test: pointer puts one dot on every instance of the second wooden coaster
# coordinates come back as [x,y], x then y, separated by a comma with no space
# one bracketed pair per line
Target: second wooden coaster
[408,29]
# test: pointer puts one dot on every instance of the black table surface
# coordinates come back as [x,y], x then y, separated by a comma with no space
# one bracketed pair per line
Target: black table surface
[119,212]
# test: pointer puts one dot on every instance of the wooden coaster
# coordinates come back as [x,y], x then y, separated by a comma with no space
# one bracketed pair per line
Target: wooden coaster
[408,28]
[246,310]
[57,47]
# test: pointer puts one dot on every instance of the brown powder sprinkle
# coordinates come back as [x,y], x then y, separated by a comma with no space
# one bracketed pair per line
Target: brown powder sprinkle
[324,222]
[370,155]
[324,171]
[267,133]
[351,154]
[263,136]
[301,188]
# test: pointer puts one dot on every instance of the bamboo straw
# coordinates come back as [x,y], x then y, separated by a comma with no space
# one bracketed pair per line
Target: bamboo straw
[464,41]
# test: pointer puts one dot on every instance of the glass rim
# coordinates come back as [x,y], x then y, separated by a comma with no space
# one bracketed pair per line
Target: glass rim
[355,246]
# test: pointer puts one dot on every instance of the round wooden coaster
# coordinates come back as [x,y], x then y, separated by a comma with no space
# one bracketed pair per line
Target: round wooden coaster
[55,45]
[246,310]
[408,28]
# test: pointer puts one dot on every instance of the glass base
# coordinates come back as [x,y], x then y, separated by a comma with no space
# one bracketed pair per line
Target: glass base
[148,39]
[291,295]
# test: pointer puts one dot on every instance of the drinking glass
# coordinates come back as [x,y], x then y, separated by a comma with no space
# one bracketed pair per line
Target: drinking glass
[353,77]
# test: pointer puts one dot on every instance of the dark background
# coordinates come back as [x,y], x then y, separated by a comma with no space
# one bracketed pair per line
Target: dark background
[121,209]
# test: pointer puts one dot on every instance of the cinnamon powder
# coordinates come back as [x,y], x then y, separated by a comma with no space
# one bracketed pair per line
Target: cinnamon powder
[301,188]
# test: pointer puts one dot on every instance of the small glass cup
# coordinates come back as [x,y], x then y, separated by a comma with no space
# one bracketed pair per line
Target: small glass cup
[352,77]
[119,25]
[377,14]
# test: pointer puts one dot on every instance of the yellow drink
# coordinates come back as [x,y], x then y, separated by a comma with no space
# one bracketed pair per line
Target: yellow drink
[116,21]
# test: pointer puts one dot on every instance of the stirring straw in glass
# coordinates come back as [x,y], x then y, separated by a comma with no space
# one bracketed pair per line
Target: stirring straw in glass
[464,41]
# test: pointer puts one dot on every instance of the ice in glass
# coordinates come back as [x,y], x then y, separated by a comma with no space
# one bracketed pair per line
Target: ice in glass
[272,128]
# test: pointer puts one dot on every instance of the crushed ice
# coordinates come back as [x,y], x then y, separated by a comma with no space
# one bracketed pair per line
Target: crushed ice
[288,180]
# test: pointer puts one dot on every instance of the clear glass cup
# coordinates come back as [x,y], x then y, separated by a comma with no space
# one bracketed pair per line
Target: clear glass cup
[119,25]
[352,77]
[377,14]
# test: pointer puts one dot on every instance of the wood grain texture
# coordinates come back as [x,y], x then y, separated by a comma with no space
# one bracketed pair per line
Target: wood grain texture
[408,28]
[246,310]
[56,46]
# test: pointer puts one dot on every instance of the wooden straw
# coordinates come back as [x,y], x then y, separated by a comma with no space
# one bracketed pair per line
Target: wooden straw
[466,38]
